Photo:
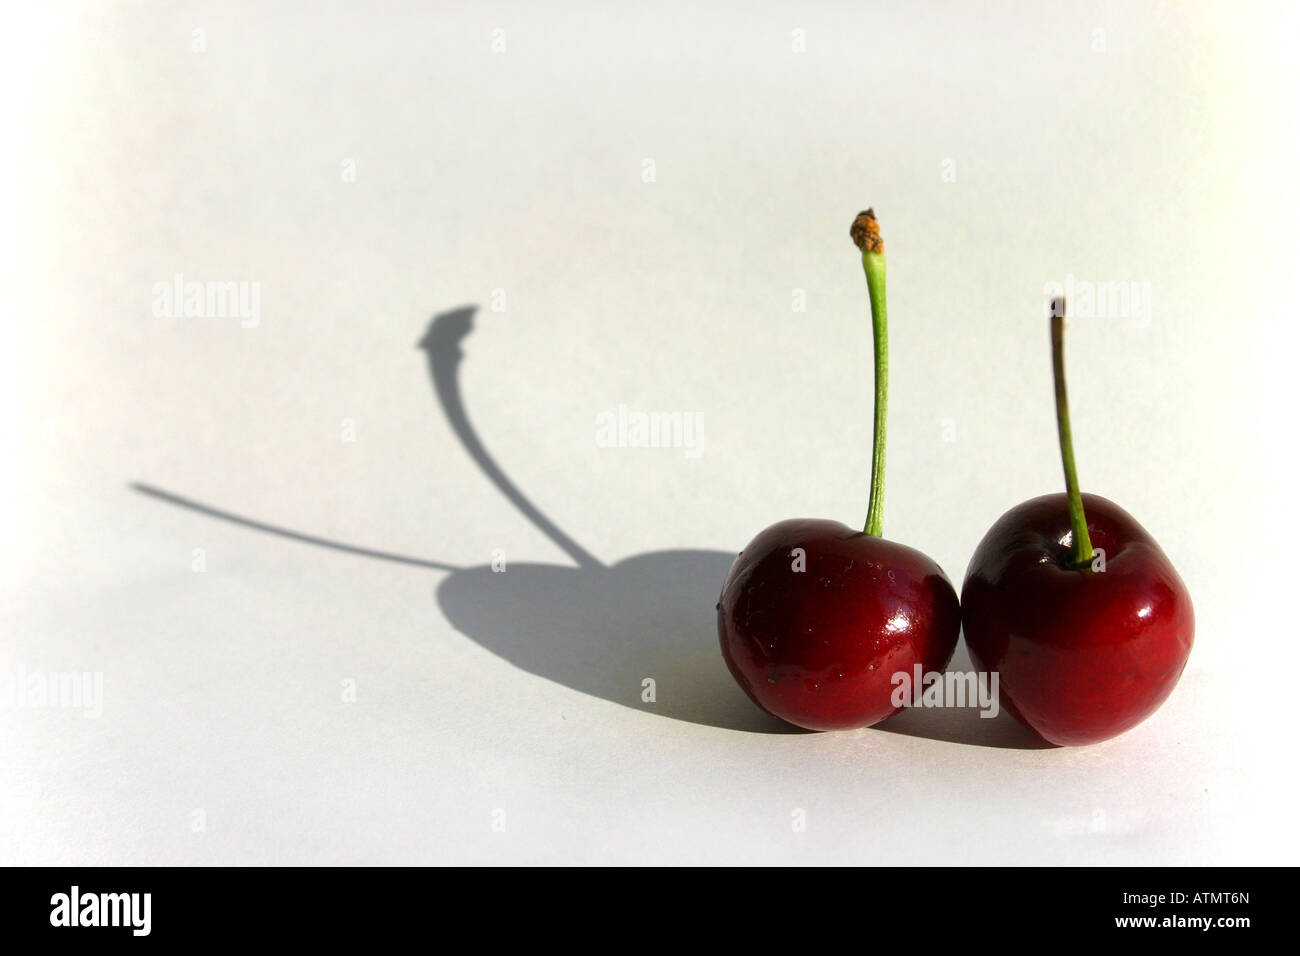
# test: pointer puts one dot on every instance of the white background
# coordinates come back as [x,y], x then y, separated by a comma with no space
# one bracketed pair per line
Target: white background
[1161,150]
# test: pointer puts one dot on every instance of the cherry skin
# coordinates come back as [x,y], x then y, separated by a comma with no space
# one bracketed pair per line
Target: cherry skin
[818,647]
[1082,655]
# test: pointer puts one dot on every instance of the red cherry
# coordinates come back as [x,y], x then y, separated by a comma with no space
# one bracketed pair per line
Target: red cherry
[815,619]
[1075,606]
[1082,654]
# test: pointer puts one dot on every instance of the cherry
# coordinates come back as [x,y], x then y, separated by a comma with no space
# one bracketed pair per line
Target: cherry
[1075,606]
[819,647]
[815,619]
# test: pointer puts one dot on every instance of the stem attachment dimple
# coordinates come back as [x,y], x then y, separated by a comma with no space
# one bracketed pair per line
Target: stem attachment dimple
[1081,548]
[865,233]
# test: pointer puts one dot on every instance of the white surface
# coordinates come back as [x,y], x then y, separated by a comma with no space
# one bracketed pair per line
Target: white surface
[1167,158]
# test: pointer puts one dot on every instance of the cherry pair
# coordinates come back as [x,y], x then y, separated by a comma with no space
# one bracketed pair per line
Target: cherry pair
[1067,597]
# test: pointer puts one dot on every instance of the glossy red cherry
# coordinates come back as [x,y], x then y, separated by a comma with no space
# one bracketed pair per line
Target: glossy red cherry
[1075,606]
[816,618]
[1082,654]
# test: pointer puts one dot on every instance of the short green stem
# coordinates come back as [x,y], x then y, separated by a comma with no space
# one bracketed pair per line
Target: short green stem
[1081,547]
[873,264]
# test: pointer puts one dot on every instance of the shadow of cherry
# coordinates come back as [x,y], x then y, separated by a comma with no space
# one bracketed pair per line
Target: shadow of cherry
[609,631]
[602,630]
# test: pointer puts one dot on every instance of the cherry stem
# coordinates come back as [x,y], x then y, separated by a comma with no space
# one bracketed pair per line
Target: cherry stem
[866,234]
[1081,547]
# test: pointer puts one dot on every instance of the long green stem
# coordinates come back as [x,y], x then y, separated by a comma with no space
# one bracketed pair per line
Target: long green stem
[866,234]
[1081,550]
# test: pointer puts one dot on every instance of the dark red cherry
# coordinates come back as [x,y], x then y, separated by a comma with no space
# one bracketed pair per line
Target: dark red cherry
[815,619]
[1083,653]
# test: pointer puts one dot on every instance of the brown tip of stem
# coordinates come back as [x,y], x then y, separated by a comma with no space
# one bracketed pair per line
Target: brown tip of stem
[865,233]
[1058,307]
